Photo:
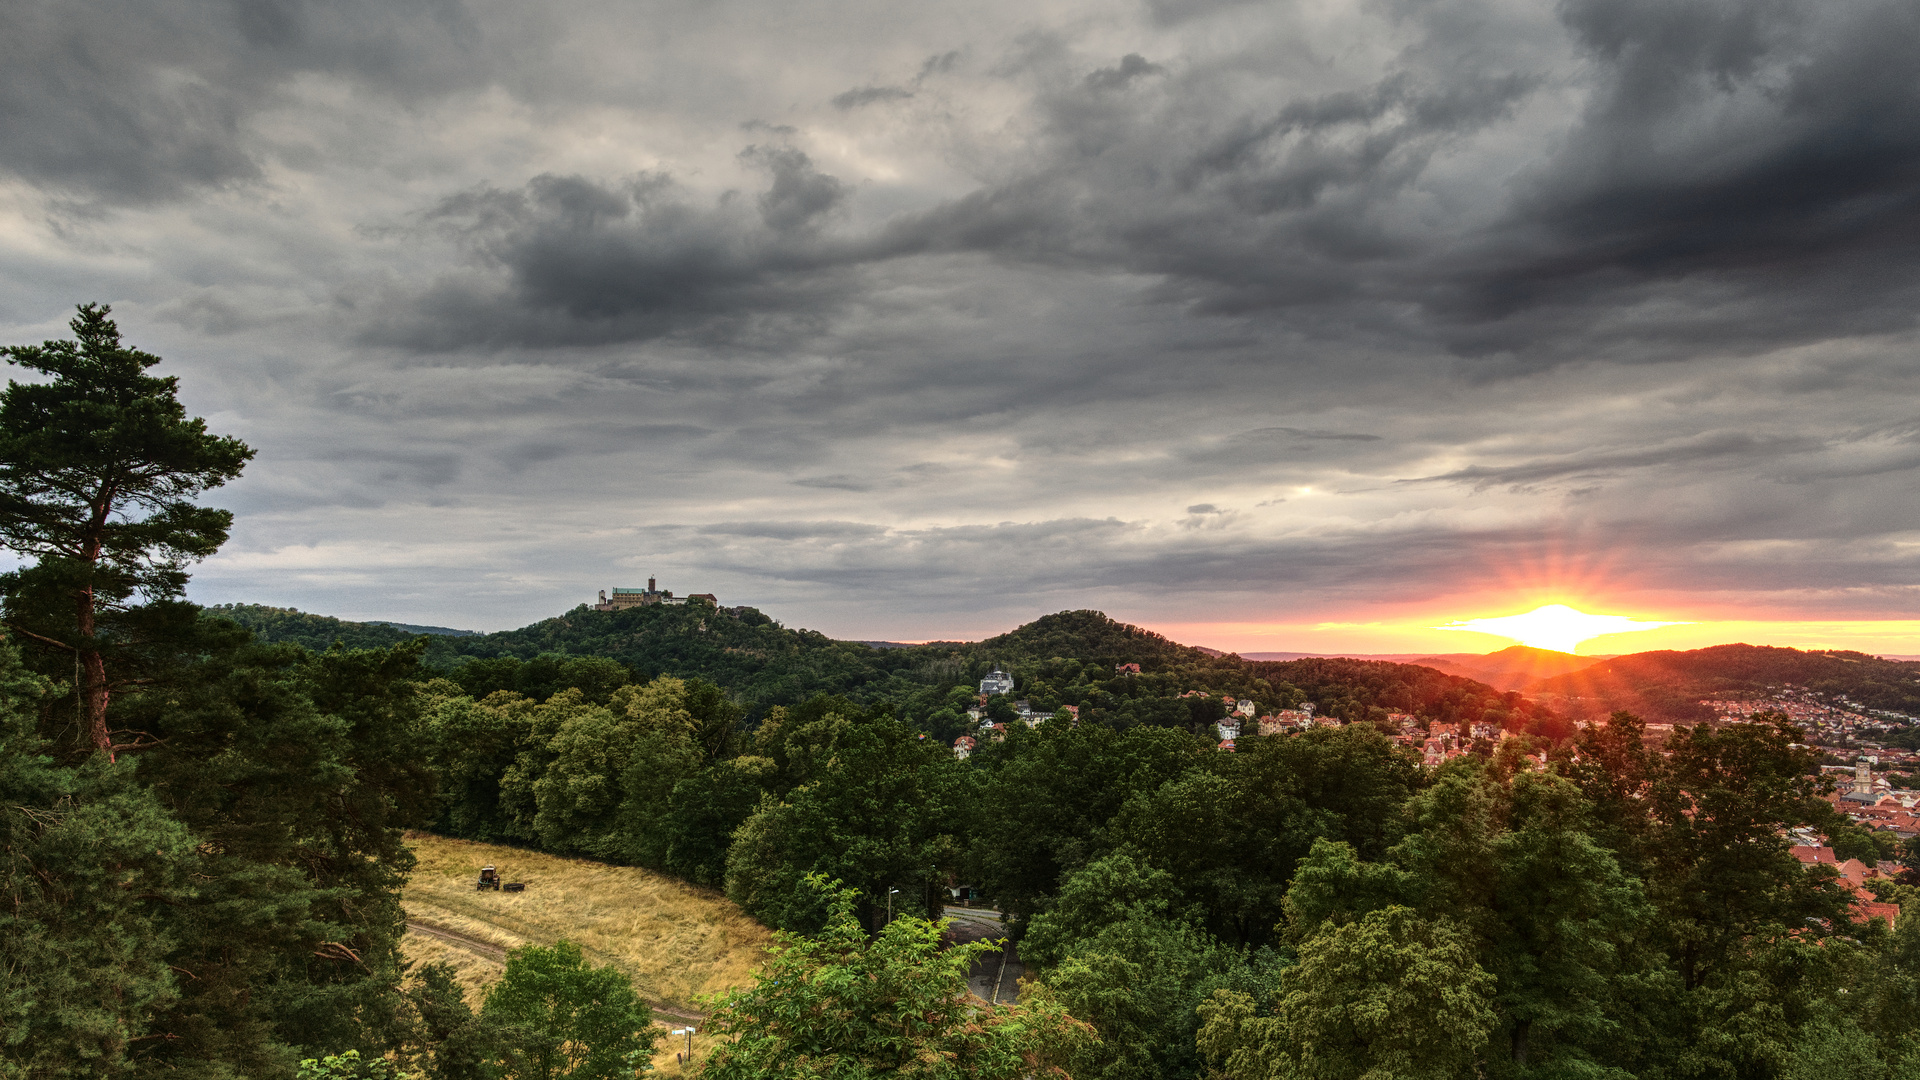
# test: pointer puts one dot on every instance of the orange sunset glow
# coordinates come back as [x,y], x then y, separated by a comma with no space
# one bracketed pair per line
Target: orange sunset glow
[1555,626]
[1434,633]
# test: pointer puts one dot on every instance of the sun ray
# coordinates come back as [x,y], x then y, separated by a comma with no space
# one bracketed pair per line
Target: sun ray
[1555,626]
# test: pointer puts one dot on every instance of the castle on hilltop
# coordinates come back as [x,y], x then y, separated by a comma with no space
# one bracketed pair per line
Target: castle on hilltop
[626,598]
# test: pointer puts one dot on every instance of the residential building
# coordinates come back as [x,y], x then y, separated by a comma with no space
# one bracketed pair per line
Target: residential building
[996,682]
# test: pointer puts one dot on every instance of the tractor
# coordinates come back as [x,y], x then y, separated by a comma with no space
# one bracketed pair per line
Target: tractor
[490,879]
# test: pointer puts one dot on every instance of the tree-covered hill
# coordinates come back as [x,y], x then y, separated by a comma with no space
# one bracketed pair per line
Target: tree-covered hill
[316,632]
[1368,689]
[1512,668]
[1090,637]
[1669,685]
[760,661]
[1066,658]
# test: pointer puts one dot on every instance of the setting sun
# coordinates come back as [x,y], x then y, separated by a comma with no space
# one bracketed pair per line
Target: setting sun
[1555,626]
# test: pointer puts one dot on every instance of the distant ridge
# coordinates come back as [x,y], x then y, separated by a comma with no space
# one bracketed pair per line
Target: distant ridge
[1512,668]
[411,628]
[1391,658]
[1668,685]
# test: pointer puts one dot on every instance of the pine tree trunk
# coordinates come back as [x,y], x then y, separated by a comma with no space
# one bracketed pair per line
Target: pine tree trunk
[93,678]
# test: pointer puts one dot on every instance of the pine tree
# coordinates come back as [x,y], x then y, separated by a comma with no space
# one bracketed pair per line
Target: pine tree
[99,469]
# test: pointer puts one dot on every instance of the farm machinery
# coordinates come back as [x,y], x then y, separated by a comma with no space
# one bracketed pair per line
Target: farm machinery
[490,879]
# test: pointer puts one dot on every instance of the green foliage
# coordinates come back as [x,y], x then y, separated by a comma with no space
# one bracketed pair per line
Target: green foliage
[85,854]
[1548,911]
[350,1066]
[1850,841]
[1669,685]
[1389,995]
[1044,796]
[1367,690]
[564,1019]
[443,1037]
[472,746]
[847,1006]
[1117,954]
[99,469]
[1714,847]
[316,632]
[870,805]
[231,895]
[1232,830]
[704,811]
[295,773]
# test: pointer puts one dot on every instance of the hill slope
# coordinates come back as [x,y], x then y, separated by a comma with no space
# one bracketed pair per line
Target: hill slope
[677,941]
[1362,689]
[1509,669]
[1066,658]
[1669,685]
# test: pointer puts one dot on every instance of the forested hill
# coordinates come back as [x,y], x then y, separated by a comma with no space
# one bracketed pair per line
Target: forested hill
[1669,685]
[1362,689]
[1067,658]
[317,632]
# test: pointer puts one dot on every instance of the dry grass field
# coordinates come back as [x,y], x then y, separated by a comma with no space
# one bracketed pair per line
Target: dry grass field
[674,940]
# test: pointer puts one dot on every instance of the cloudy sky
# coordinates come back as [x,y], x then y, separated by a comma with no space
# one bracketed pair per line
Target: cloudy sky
[1286,325]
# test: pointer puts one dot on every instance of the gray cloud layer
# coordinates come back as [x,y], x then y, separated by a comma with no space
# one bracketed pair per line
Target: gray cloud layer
[906,325]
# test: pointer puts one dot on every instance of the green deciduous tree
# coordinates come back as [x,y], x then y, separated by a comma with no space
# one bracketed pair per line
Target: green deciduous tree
[1120,954]
[875,812]
[1549,912]
[1046,795]
[1232,829]
[99,469]
[562,1018]
[350,1066]
[1389,995]
[1715,848]
[850,1007]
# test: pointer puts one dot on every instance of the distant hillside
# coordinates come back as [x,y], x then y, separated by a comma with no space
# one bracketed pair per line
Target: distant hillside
[317,632]
[413,629]
[1511,668]
[1669,685]
[1088,636]
[1364,689]
[1067,658]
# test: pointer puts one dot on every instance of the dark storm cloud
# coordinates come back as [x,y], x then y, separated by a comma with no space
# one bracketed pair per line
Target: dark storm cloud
[137,101]
[1767,153]
[1772,146]
[1208,303]
[567,259]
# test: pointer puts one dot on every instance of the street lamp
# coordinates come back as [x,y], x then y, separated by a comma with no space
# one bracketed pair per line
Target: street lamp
[890,893]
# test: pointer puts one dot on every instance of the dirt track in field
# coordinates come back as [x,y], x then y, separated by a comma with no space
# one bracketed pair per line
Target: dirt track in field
[498,954]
